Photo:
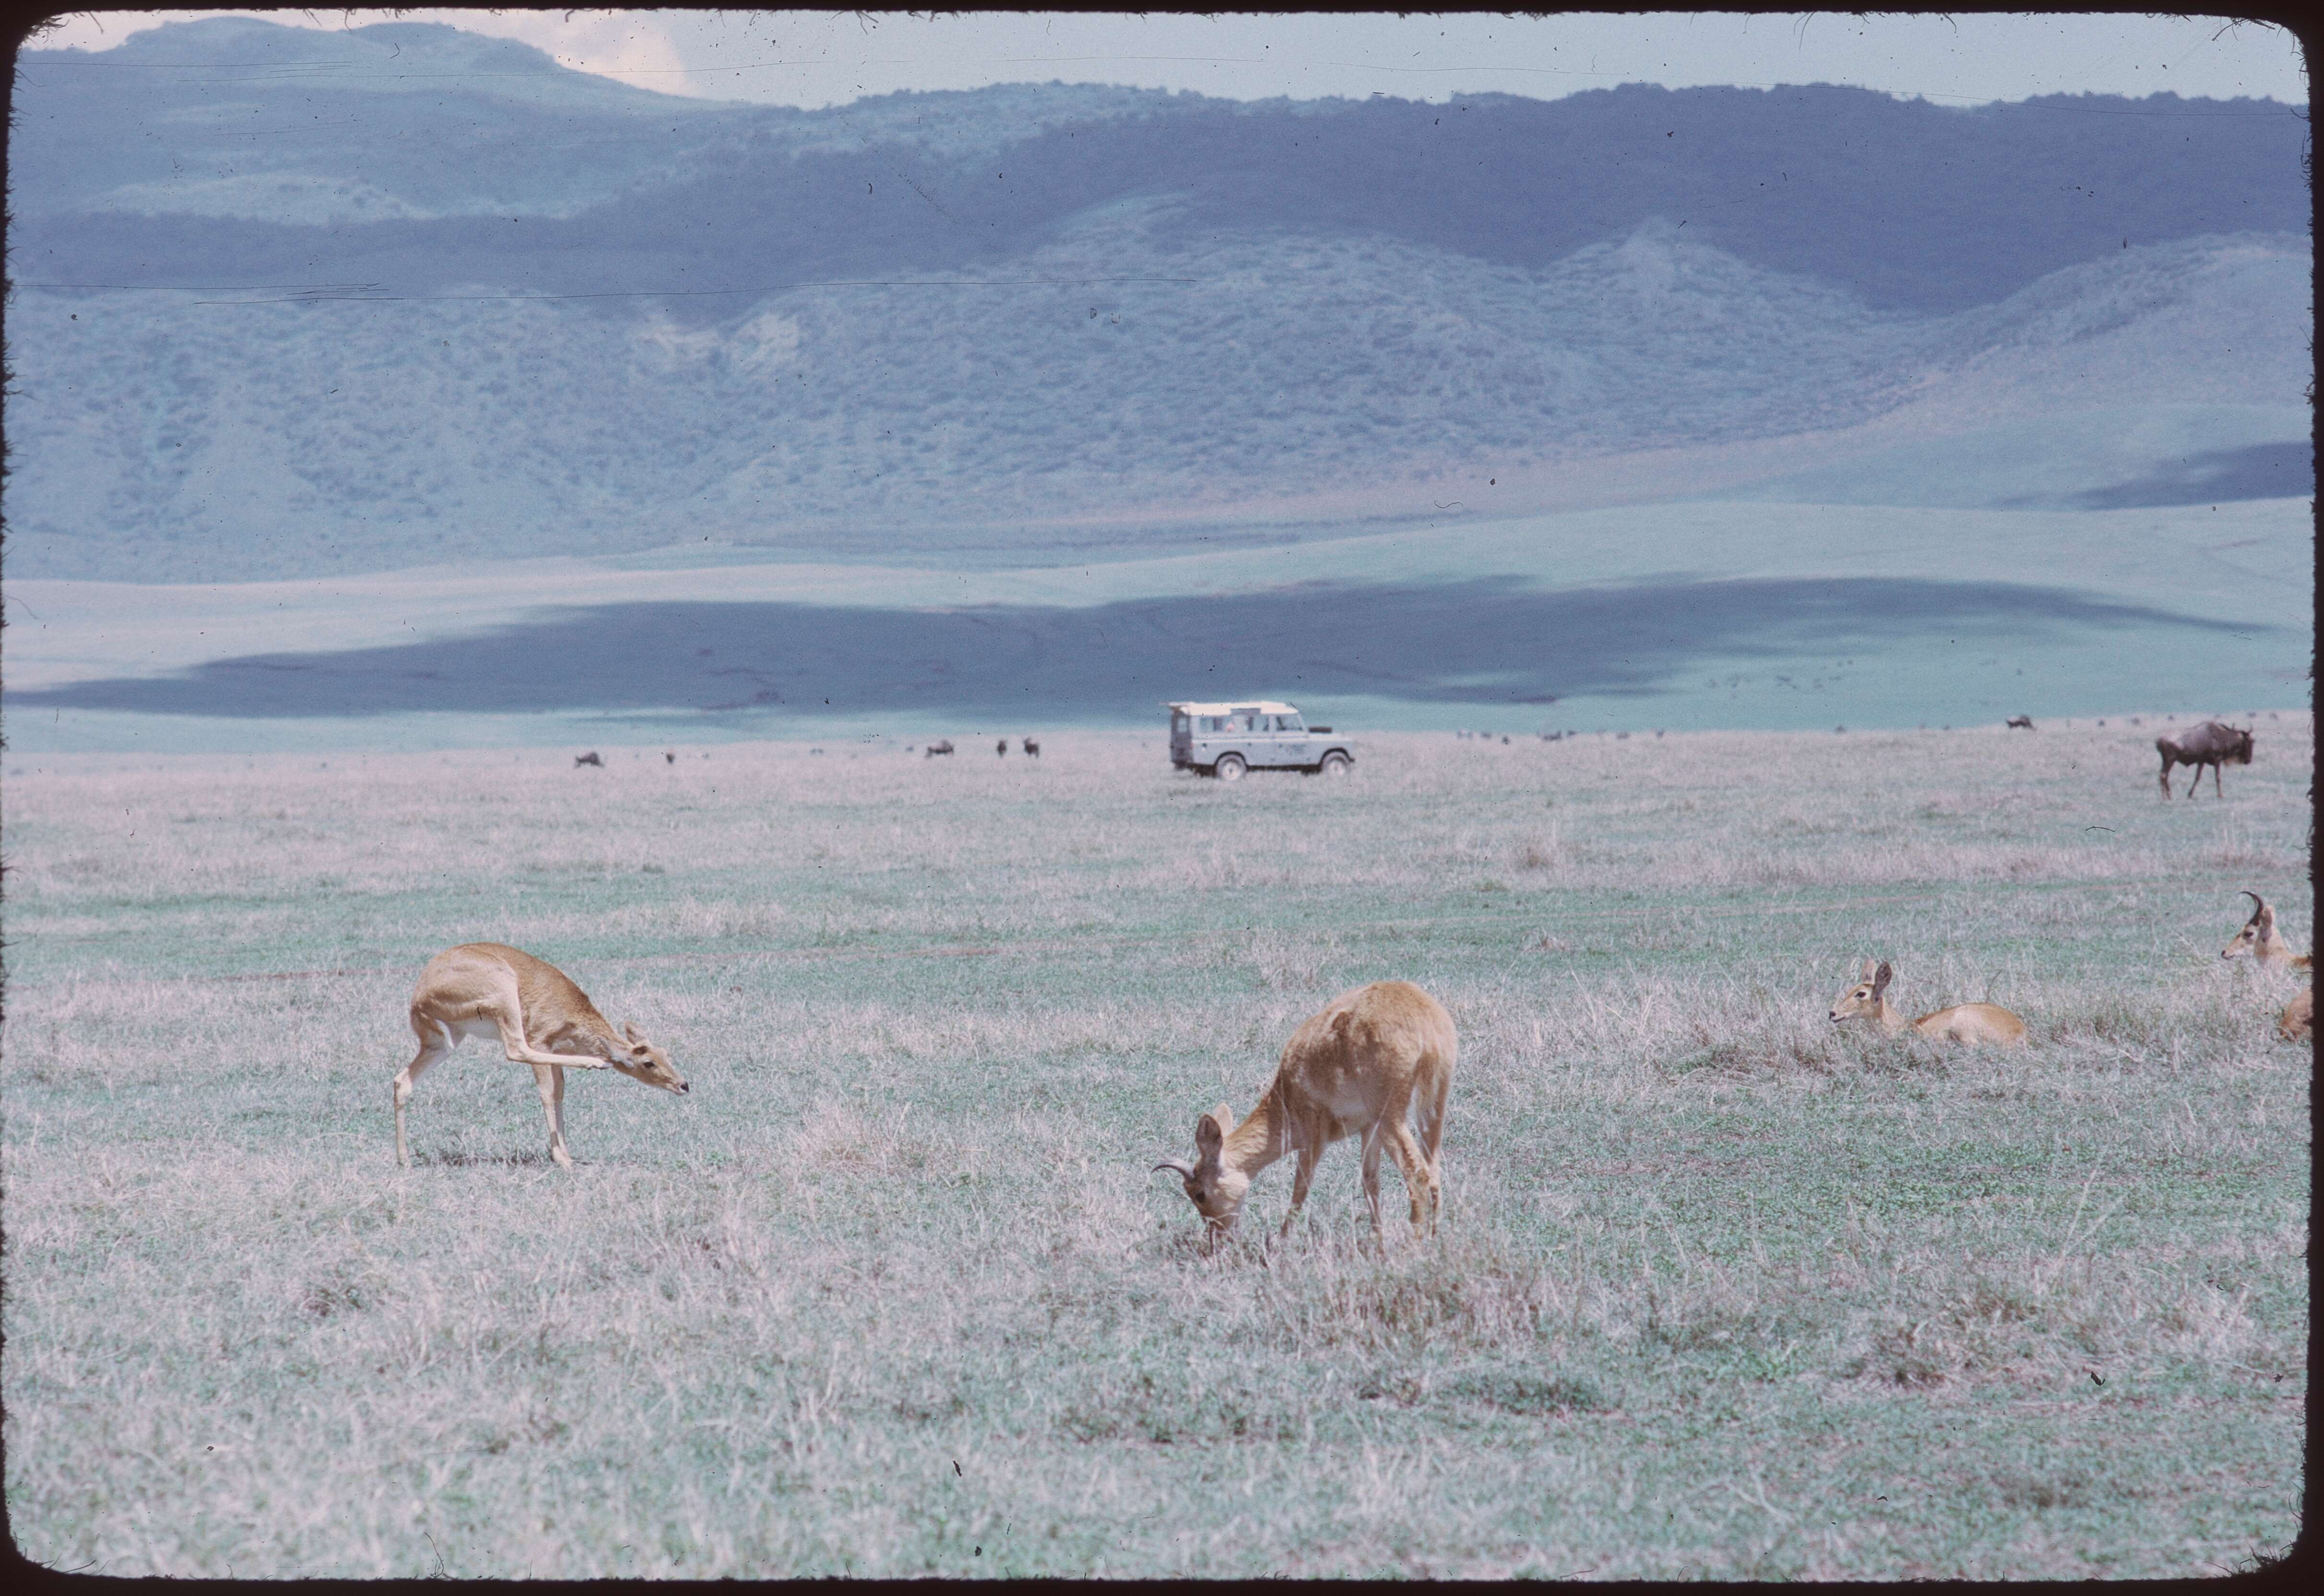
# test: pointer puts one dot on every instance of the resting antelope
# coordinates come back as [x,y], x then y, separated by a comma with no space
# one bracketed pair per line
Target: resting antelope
[1963,1022]
[541,1018]
[2299,1016]
[2259,938]
[1376,1061]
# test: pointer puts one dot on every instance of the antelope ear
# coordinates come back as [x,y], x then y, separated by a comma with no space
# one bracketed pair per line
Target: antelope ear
[1212,1129]
[1880,979]
[630,1030]
[1868,972]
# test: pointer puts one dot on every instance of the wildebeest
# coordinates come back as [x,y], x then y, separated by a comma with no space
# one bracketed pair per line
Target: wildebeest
[1032,749]
[589,758]
[1001,747]
[2211,744]
[935,749]
[669,759]
[2023,720]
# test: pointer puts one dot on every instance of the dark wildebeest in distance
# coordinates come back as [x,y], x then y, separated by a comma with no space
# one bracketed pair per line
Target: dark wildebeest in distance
[669,759]
[589,758]
[2025,721]
[2211,744]
[1032,749]
[935,749]
[1001,747]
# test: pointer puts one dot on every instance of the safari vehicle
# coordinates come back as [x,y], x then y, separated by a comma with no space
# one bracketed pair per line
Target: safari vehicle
[1224,740]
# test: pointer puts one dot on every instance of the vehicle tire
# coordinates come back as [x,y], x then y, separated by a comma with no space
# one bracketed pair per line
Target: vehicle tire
[1229,768]
[1335,764]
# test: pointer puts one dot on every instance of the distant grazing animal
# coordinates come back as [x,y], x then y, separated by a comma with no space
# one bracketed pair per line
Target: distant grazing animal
[2211,744]
[2299,1016]
[1032,749]
[1001,747]
[669,759]
[589,758]
[541,1018]
[1963,1022]
[2025,721]
[935,749]
[1375,1063]
[2259,938]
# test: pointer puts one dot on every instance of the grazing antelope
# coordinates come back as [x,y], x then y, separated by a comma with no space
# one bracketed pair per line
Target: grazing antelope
[2299,1016]
[2211,744]
[589,758]
[1032,748]
[541,1018]
[935,749]
[2259,938]
[1376,1062]
[2020,723]
[1963,1022]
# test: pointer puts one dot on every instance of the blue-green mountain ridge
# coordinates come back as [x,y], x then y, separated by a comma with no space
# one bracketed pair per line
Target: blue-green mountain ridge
[290,302]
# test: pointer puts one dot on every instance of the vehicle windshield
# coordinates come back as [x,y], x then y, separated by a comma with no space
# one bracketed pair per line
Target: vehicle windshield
[1288,723]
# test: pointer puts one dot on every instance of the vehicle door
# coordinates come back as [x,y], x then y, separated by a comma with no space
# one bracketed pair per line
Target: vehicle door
[1215,734]
[1256,729]
[1291,745]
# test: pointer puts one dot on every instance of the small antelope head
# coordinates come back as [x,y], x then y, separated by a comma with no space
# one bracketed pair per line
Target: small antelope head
[640,1060]
[2259,937]
[1863,1000]
[1215,1190]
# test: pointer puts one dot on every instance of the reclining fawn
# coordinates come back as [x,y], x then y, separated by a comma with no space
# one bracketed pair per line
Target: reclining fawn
[1963,1022]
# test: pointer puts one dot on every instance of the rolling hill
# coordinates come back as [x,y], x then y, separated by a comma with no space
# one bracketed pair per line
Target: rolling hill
[396,295]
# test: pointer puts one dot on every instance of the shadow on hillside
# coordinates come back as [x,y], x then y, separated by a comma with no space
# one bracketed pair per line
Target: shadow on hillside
[1492,641]
[2217,476]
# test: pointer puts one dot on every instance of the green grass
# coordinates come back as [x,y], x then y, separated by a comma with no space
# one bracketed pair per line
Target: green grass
[1721,1290]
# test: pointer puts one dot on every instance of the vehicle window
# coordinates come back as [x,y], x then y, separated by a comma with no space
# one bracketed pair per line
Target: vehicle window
[1217,722]
[1288,723]
[1178,721]
[1252,720]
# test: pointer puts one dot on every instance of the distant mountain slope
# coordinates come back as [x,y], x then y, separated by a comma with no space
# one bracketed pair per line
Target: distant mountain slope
[1003,318]
[191,441]
[418,157]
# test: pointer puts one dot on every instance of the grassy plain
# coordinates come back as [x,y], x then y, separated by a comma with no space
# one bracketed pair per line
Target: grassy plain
[1721,1291]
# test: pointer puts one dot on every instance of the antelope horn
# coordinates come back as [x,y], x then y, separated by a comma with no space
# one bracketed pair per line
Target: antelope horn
[1183,1171]
[2256,898]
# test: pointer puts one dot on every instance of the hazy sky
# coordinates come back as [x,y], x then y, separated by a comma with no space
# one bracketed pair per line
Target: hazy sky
[812,59]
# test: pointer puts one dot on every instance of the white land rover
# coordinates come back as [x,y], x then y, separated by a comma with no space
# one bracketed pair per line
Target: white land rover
[1224,740]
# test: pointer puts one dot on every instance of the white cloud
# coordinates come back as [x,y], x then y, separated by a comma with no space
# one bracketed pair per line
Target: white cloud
[629,44]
